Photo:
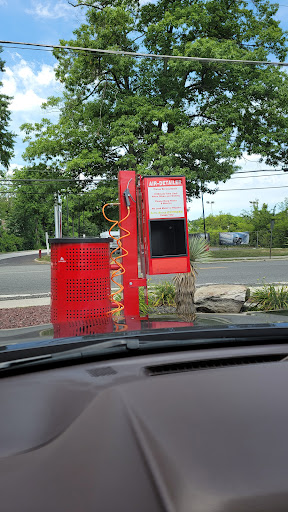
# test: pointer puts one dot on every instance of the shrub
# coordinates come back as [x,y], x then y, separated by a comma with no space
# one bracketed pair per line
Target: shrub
[270,298]
[10,242]
[163,294]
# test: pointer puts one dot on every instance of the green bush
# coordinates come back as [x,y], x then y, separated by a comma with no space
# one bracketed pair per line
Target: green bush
[270,298]
[10,242]
[163,294]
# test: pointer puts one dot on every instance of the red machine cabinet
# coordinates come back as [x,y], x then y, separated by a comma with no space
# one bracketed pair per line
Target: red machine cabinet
[164,223]
[80,286]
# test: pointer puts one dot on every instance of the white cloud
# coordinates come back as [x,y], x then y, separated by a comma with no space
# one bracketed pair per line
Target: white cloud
[29,86]
[9,83]
[46,10]
[27,74]
[46,75]
[235,201]
[3,2]
[12,168]
[26,101]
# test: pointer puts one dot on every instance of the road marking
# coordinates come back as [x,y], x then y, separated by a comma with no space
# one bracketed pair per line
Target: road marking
[209,268]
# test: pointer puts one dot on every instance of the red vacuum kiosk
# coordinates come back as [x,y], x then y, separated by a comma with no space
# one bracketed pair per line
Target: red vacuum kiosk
[164,219]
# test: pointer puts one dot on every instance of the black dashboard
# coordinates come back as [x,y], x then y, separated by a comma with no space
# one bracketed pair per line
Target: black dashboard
[201,431]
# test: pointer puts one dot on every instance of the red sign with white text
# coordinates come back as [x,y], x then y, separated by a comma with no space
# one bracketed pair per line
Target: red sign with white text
[165,198]
[164,224]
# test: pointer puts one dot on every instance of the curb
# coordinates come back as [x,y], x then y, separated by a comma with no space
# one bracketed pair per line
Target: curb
[42,262]
[25,296]
[249,258]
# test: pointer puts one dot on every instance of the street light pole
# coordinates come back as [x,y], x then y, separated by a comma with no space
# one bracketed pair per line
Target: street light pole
[211,204]
[203,217]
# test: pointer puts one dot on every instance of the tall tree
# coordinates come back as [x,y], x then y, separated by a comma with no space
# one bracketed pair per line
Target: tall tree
[6,137]
[162,116]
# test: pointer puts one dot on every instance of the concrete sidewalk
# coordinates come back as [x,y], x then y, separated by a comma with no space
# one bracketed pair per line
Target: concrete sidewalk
[24,302]
[8,255]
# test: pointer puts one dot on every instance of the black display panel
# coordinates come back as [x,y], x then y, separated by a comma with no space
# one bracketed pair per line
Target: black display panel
[168,238]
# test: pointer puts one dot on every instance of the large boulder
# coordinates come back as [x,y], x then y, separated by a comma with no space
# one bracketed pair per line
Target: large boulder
[221,298]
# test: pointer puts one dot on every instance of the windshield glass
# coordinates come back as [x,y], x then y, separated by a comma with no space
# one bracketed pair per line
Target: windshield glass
[143,152]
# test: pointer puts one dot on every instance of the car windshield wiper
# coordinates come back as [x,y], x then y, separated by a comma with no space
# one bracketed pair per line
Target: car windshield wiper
[75,353]
[131,342]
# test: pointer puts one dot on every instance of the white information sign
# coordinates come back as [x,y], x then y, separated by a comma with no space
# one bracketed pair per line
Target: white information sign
[165,198]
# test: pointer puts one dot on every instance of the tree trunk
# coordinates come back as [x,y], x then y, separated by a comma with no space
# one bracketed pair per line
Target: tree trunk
[184,294]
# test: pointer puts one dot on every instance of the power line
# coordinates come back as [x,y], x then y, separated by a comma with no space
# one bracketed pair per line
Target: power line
[258,170]
[206,192]
[258,176]
[47,180]
[97,180]
[31,49]
[123,53]
[252,188]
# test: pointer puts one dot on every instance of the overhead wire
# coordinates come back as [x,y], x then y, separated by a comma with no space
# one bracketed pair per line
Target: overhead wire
[249,188]
[258,176]
[31,49]
[259,170]
[123,53]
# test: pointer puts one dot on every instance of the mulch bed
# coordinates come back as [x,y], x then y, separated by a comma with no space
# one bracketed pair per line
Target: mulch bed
[12,318]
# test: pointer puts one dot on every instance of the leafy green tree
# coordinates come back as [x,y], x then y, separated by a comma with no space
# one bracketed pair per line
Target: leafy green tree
[31,211]
[167,116]
[6,137]
[223,222]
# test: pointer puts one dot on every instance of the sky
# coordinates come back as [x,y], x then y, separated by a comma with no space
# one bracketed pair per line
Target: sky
[30,79]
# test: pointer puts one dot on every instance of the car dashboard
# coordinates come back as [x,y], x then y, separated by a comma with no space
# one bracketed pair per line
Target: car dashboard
[196,430]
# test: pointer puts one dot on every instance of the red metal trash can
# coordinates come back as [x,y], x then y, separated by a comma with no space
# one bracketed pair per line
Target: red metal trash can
[80,286]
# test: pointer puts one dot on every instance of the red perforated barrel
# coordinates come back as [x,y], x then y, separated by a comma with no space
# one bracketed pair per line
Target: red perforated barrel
[80,286]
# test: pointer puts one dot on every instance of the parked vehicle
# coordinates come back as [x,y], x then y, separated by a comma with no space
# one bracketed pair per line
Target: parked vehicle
[113,243]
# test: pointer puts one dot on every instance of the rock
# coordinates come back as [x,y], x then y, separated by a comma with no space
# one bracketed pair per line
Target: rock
[221,298]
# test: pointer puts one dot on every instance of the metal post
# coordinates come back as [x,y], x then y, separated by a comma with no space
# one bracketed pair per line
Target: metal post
[78,216]
[60,215]
[129,262]
[67,212]
[56,216]
[204,217]
[271,235]
[47,243]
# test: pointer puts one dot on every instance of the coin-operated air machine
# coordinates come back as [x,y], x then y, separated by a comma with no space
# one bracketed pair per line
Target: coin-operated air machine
[152,224]
[164,224]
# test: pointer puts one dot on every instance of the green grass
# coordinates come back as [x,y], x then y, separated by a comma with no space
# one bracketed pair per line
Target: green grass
[162,294]
[245,252]
[270,298]
[44,258]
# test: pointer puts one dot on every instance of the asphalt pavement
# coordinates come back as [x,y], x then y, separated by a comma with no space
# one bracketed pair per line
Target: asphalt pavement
[24,279]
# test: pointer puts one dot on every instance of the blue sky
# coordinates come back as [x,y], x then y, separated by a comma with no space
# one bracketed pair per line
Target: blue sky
[30,79]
